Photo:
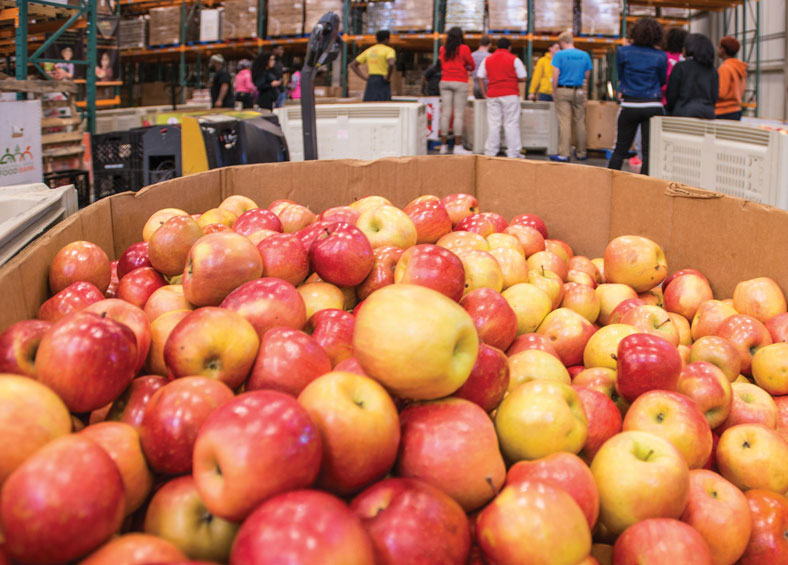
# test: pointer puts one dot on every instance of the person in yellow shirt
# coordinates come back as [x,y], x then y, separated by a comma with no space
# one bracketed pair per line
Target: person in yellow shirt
[542,81]
[380,59]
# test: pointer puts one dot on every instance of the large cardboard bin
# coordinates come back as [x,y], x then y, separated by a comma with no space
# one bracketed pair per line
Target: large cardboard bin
[726,238]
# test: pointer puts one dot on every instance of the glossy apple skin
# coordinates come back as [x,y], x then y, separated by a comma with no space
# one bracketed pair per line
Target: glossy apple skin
[618,313]
[410,521]
[135,256]
[719,352]
[434,267]
[138,285]
[565,471]
[169,245]
[32,416]
[709,316]
[382,273]
[332,329]
[646,362]
[133,549]
[528,341]
[530,220]
[604,419]
[173,417]
[433,437]
[610,296]
[212,342]
[257,219]
[495,321]
[278,205]
[654,320]
[321,296]
[477,223]
[132,317]
[79,261]
[460,206]
[489,379]
[339,214]
[215,228]
[256,445]
[709,388]
[661,540]
[778,327]
[547,261]
[636,261]
[719,512]
[686,294]
[295,217]
[431,220]
[166,299]
[177,514]
[747,335]
[768,541]
[314,526]
[569,333]
[75,297]
[545,515]
[158,218]
[342,255]
[387,225]
[217,264]
[284,257]
[753,456]
[87,360]
[287,361]
[63,501]
[18,346]
[129,407]
[266,303]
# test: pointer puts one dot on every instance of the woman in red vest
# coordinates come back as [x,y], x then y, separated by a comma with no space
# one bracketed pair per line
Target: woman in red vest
[503,71]
[456,62]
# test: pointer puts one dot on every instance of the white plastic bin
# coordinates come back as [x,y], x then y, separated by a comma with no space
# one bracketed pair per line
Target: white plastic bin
[538,126]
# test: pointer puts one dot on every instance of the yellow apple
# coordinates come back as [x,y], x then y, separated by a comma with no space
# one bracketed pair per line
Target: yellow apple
[530,304]
[496,240]
[512,265]
[387,226]
[321,296]
[238,204]
[533,364]
[481,270]
[760,298]
[601,349]
[753,456]
[770,368]
[157,220]
[635,261]
[457,241]
[610,296]
[217,216]
[363,204]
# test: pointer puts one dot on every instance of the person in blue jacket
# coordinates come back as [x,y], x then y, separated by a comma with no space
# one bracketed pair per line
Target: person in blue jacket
[642,71]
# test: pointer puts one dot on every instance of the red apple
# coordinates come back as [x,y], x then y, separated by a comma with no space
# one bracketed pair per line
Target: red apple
[653,320]
[568,333]
[750,404]
[709,316]
[256,445]
[768,541]
[431,220]
[617,314]
[134,549]
[333,331]
[219,263]
[602,380]
[747,335]
[709,388]
[169,245]
[166,299]
[489,379]
[266,303]
[87,360]
[680,273]
[528,341]
[452,445]
[295,217]
[686,294]
[73,298]
[18,346]
[157,219]
[256,219]
[582,299]
[460,206]
[138,285]
[477,223]
[530,220]
[64,501]
[530,238]
[585,265]
[131,316]
[410,521]
[782,416]
[434,267]
[646,362]
[339,214]
[547,261]
[604,419]
[216,228]
[129,407]
[382,274]
[342,255]
[565,471]
[778,327]
[278,205]
[661,540]
[351,365]
[284,257]
[135,256]
[719,352]
[79,261]
[560,248]
[494,319]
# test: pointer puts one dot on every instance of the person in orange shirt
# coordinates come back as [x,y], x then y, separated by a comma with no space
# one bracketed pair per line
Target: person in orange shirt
[733,79]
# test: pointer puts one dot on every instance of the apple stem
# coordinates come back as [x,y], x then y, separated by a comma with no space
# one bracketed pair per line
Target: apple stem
[492,485]
[746,445]
[663,323]
[648,456]
[614,357]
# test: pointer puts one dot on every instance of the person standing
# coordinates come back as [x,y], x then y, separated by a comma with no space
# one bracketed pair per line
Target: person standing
[432,80]
[456,62]
[571,69]
[245,92]
[380,59]
[733,79]
[279,70]
[294,86]
[267,83]
[674,49]
[542,82]
[642,69]
[221,84]
[503,71]
[693,87]
[478,56]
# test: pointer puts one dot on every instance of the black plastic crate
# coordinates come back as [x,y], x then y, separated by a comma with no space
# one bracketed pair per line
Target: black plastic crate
[113,151]
[112,182]
[79,178]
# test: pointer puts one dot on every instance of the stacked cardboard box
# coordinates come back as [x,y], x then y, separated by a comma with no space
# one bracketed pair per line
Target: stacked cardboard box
[678,13]
[285,17]
[508,15]
[379,15]
[132,33]
[413,15]
[316,8]
[466,14]
[600,17]
[553,15]
[240,19]
[165,26]
[649,11]
[210,25]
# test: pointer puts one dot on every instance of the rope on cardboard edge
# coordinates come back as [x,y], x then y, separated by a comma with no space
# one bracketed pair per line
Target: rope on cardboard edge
[683,191]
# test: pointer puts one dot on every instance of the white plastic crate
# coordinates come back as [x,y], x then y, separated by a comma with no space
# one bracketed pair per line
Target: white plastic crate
[538,126]
[27,210]
[737,159]
[359,131]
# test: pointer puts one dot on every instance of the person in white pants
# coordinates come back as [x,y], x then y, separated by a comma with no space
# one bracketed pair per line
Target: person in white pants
[503,71]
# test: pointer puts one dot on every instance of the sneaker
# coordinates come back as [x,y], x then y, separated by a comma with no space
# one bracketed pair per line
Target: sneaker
[581,158]
[444,150]
[460,150]
[635,162]
[559,158]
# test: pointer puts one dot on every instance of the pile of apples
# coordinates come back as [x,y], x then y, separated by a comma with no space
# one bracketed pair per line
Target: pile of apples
[427,385]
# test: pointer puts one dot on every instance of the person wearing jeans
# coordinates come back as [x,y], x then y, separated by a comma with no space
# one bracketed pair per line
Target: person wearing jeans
[642,70]
[456,62]
[571,69]
[503,72]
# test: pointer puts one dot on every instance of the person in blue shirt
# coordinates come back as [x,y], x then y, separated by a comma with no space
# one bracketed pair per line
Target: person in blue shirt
[642,72]
[571,68]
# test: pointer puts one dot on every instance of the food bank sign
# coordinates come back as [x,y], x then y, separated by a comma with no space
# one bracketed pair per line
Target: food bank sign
[20,142]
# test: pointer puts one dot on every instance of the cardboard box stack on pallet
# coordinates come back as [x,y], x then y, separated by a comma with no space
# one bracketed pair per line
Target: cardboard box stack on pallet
[600,17]
[413,15]
[164,26]
[553,15]
[211,25]
[132,33]
[285,17]
[240,19]
[379,15]
[316,8]
[508,15]
[466,14]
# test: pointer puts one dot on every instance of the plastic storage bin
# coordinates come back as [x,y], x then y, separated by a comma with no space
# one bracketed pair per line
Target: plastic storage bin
[538,126]
[359,131]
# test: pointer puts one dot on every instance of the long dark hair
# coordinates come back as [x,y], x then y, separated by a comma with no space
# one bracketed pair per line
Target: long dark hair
[700,48]
[260,65]
[454,39]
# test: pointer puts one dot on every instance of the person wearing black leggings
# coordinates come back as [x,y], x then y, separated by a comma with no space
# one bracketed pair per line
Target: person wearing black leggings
[642,70]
